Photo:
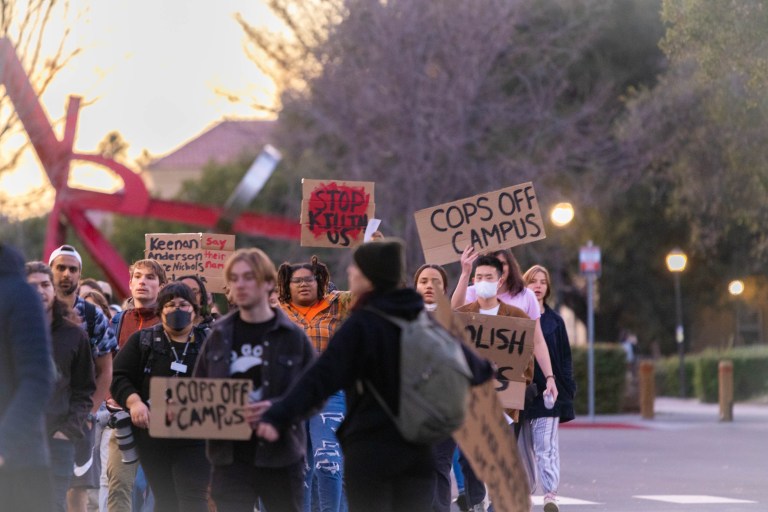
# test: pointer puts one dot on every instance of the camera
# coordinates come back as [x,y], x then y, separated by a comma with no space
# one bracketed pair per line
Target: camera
[121,422]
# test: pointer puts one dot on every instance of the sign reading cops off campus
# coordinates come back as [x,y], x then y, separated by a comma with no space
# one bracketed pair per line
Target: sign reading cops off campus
[201,254]
[335,213]
[495,220]
[508,342]
[195,408]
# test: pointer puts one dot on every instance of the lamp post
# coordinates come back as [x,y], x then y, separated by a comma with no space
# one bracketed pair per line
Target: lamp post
[561,215]
[676,262]
[736,288]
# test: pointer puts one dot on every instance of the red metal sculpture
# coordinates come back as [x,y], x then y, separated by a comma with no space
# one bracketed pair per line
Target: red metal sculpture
[56,157]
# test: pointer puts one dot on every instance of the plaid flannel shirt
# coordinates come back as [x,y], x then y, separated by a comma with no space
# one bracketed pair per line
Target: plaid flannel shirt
[320,329]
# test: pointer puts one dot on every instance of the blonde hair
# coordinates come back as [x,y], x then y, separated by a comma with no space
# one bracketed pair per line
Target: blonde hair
[261,265]
[531,273]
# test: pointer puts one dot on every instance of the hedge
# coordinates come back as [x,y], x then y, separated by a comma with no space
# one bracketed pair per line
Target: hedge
[750,373]
[610,373]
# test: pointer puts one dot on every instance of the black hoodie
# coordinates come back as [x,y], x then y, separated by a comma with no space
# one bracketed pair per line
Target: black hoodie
[365,347]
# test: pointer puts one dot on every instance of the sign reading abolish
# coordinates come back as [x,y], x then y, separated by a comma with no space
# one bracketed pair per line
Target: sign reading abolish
[199,408]
[489,444]
[496,220]
[508,342]
[335,213]
[201,254]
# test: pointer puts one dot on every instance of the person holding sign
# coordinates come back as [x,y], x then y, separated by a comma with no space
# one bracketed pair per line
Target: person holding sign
[176,469]
[431,282]
[383,471]
[304,297]
[539,434]
[511,291]
[257,342]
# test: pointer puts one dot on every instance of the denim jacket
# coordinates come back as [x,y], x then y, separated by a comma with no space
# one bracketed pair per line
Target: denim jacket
[287,353]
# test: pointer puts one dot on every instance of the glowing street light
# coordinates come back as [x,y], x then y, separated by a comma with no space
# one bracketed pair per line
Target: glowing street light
[676,262]
[736,287]
[562,214]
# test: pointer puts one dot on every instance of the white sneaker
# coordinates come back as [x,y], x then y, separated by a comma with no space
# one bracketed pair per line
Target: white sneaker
[550,502]
[477,508]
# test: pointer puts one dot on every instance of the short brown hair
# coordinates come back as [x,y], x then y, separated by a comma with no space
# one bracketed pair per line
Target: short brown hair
[153,264]
[260,263]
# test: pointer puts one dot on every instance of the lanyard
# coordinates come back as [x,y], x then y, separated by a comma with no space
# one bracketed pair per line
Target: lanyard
[179,362]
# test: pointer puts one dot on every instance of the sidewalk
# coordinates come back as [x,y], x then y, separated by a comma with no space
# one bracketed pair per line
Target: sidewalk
[674,413]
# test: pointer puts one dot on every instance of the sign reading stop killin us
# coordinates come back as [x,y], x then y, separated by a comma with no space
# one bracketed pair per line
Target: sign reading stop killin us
[335,213]
[491,221]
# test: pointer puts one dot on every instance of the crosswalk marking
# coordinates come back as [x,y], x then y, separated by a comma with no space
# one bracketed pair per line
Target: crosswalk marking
[562,500]
[684,499]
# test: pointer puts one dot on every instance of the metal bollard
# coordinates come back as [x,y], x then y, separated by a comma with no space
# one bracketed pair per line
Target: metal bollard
[647,390]
[725,384]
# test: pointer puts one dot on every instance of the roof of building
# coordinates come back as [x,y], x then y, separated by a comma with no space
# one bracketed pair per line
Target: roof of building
[223,143]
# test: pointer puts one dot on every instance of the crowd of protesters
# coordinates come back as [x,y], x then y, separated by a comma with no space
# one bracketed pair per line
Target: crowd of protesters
[75,369]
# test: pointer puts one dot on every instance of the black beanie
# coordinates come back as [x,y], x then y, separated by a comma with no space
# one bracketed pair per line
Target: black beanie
[382,262]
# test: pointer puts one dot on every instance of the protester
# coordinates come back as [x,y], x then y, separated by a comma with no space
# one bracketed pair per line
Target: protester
[145,280]
[88,285]
[177,469]
[256,342]
[304,297]
[26,384]
[67,267]
[383,471]
[203,299]
[540,430]
[70,404]
[512,291]
[431,282]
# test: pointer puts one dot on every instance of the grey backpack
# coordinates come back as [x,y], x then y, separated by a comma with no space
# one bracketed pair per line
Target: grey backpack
[434,380]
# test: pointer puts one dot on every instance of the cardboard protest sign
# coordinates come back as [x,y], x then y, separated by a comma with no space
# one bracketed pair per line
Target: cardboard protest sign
[335,213]
[495,220]
[199,408]
[489,443]
[201,254]
[508,342]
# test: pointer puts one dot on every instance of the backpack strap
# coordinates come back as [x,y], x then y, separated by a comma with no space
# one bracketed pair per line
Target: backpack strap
[150,341]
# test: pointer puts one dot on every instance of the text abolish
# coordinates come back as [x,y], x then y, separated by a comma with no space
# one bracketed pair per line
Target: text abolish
[496,220]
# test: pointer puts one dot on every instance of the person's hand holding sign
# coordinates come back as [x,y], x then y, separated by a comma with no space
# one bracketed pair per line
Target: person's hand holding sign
[255,410]
[468,258]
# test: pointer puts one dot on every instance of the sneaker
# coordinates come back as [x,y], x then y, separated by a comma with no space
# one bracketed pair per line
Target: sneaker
[461,502]
[550,502]
[477,508]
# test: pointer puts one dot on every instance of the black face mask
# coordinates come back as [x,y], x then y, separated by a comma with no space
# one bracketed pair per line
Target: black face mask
[178,319]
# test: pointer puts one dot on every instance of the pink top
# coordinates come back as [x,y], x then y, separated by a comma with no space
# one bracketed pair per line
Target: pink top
[525,300]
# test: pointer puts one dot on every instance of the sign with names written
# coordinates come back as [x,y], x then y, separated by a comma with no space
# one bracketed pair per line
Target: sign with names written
[495,220]
[335,213]
[201,254]
[197,408]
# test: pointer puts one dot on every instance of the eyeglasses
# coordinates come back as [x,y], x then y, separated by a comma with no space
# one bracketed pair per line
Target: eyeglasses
[299,280]
[177,305]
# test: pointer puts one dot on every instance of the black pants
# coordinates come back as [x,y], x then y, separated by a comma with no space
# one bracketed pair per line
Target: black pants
[26,490]
[237,487]
[178,475]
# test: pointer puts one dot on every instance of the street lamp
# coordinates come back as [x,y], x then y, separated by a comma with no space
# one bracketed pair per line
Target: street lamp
[561,215]
[736,288]
[676,261]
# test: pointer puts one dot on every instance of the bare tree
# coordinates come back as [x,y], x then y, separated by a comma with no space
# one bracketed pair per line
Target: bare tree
[28,25]
[439,100]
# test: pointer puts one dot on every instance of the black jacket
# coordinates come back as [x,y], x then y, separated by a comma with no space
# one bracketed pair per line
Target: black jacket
[75,384]
[288,352]
[556,336]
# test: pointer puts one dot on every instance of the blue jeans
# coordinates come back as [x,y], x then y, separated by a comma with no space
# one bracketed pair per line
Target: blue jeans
[62,467]
[325,464]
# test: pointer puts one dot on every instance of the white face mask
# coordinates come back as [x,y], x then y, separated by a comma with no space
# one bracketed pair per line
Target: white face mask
[430,307]
[487,289]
